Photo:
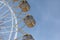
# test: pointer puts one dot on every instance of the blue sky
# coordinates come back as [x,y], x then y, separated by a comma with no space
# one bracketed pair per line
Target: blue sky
[47,15]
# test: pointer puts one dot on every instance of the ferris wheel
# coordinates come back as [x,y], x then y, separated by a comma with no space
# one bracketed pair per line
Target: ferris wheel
[9,23]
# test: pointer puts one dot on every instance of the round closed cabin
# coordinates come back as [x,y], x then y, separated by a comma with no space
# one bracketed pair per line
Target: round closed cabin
[15,0]
[29,21]
[27,37]
[24,5]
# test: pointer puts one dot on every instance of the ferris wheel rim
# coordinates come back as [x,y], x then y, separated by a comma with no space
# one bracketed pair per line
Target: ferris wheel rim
[13,15]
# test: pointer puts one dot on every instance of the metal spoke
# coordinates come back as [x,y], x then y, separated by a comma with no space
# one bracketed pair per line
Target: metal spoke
[4,13]
[2,7]
[19,29]
[0,4]
[4,27]
[5,22]
[5,32]
[6,16]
